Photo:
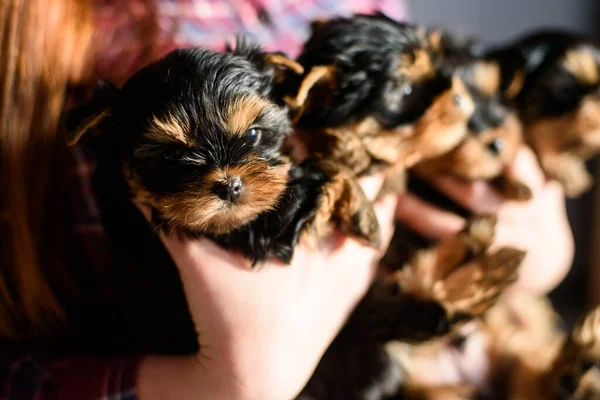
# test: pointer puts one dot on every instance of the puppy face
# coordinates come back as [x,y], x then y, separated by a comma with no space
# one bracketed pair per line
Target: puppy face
[553,79]
[378,68]
[562,109]
[199,134]
[494,131]
[481,156]
[441,127]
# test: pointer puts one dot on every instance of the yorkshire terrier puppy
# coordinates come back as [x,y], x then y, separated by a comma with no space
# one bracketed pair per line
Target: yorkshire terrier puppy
[464,286]
[493,138]
[530,355]
[373,99]
[495,135]
[197,137]
[553,79]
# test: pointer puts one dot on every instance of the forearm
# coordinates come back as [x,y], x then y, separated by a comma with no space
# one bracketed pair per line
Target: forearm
[176,377]
[189,377]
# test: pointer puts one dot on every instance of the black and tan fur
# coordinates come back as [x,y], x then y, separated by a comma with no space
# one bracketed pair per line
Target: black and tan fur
[197,137]
[530,354]
[374,99]
[553,79]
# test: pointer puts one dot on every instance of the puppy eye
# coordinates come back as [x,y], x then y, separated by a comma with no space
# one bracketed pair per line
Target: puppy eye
[456,99]
[253,135]
[407,90]
[173,155]
[496,146]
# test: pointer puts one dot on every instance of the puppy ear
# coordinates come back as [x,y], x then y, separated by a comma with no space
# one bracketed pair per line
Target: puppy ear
[90,115]
[252,51]
[317,24]
[454,45]
[318,74]
[282,63]
[515,84]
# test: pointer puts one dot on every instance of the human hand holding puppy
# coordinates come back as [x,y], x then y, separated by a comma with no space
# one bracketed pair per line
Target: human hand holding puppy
[539,226]
[263,332]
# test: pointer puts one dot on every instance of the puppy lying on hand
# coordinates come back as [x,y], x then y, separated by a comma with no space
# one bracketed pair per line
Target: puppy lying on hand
[197,136]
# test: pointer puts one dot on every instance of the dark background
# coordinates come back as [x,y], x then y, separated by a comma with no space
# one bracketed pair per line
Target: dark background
[499,20]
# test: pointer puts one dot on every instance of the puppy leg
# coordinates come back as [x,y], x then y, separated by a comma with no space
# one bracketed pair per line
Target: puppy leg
[569,171]
[512,189]
[421,304]
[341,146]
[459,273]
[357,366]
[456,278]
[343,202]
[575,373]
[395,181]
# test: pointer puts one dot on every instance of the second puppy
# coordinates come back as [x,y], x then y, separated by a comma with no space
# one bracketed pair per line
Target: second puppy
[373,99]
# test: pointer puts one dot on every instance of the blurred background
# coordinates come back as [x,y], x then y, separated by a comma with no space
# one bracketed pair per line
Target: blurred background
[496,21]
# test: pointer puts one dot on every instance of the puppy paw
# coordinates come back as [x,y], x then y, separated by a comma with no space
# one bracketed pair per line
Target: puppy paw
[459,273]
[473,287]
[364,226]
[343,204]
[576,184]
[479,233]
[569,171]
[512,189]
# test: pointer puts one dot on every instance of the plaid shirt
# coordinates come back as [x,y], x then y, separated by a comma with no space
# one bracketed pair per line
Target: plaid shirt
[276,24]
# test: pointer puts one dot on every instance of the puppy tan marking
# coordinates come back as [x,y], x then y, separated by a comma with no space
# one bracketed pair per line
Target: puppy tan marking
[435,41]
[515,86]
[445,116]
[416,66]
[242,113]
[201,209]
[459,272]
[343,201]
[278,59]
[581,63]
[90,124]
[563,143]
[316,75]
[169,129]
[487,77]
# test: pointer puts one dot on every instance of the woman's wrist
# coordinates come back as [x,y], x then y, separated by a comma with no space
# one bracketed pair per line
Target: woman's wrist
[191,377]
[178,377]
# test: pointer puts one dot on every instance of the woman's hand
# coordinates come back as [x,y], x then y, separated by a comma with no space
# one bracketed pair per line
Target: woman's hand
[262,332]
[539,226]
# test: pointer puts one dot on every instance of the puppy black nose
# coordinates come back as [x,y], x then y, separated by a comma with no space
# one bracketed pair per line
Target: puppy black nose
[231,190]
